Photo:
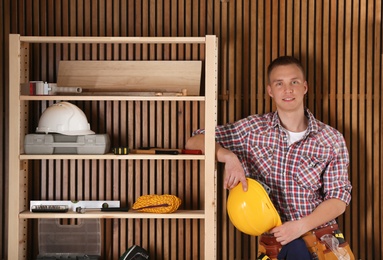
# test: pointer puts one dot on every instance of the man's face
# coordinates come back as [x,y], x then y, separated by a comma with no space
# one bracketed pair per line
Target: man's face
[287,87]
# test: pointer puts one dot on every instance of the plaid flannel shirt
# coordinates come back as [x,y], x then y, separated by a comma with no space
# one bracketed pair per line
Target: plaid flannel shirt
[301,175]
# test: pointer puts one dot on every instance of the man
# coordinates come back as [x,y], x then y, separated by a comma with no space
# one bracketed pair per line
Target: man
[303,161]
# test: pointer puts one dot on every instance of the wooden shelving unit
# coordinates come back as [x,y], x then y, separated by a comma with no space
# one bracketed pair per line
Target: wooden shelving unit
[18,213]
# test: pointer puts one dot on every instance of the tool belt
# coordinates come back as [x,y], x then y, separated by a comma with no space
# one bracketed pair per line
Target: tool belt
[267,244]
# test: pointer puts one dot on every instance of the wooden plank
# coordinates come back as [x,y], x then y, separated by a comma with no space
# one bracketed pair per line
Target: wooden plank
[87,180]
[357,211]
[16,242]
[310,68]
[369,119]
[239,69]
[331,67]
[363,197]
[283,26]
[291,20]
[338,91]
[158,76]
[253,58]
[320,103]
[260,72]
[267,51]
[377,159]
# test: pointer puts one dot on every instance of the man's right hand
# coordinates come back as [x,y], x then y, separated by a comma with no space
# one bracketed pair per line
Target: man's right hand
[234,172]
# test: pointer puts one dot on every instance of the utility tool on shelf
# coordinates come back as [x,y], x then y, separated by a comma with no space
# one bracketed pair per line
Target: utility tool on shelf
[67,205]
[156,150]
[191,151]
[50,208]
[120,150]
[38,88]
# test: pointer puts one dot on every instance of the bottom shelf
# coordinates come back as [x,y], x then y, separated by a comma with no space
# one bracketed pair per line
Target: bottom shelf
[164,239]
[179,214]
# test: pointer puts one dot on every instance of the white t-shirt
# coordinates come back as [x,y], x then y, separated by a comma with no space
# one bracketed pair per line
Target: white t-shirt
[295,136]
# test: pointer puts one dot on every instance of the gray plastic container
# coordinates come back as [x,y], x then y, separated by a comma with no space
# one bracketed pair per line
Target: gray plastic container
[61,241]
[66,144]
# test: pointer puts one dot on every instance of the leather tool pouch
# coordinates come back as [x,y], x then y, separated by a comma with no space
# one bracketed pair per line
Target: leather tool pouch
[268,245]
[318,247]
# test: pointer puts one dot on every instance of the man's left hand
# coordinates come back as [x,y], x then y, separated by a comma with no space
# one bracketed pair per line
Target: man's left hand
[288,231]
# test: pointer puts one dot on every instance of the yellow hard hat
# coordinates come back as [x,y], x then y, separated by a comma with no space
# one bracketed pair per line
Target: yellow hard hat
[252,212]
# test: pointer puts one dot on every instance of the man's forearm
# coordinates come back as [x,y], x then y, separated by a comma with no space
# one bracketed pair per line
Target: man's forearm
[198,142]
[233,167]
[326,211]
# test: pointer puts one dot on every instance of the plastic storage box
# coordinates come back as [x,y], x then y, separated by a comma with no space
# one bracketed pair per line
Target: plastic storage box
[69,241]
[65,144]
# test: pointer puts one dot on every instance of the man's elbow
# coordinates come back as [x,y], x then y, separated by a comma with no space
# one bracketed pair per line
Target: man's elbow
[195,142]
[189,143]
[340,206]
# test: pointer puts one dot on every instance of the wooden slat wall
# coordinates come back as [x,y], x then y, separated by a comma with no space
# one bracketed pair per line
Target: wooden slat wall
[339,43]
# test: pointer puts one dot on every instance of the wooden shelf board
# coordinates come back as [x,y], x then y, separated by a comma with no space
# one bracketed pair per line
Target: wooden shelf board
[131,214]
[110,156]
[111,98]
[95,40]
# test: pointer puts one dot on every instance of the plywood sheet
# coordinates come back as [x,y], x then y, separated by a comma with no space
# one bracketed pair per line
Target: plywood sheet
[132,76]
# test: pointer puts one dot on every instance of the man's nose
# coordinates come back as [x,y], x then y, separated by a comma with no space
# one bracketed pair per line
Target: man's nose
[288,88]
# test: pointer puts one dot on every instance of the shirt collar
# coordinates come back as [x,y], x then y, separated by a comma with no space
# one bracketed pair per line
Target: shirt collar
[313,125]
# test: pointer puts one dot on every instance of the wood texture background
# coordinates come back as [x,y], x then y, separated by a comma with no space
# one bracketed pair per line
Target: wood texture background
[339,43]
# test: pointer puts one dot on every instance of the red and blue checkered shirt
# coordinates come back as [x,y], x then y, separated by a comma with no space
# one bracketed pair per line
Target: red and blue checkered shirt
[301,175]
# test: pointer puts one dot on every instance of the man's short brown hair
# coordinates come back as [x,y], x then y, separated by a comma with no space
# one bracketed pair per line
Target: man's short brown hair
[284,60]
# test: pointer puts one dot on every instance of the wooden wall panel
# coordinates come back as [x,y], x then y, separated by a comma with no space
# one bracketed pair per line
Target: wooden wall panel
[339,43]
[4,22]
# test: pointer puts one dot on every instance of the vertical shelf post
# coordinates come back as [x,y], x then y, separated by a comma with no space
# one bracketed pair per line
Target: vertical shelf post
[16,227]
[210,123]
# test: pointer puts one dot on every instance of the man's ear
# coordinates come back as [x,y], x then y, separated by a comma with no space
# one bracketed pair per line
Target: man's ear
[269,91]
[306,85]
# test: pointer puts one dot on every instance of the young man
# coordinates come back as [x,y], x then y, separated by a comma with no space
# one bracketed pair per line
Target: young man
[303,161]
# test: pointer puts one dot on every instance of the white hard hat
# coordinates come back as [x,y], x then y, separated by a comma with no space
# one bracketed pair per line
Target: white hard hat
[64,118]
